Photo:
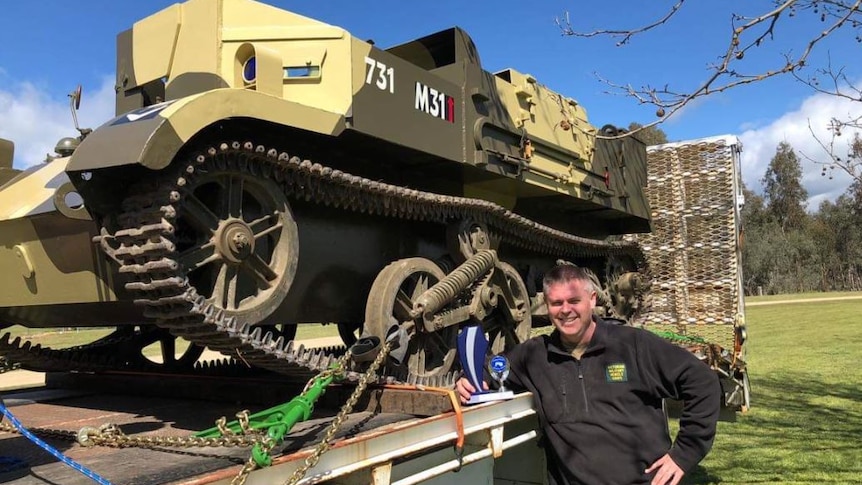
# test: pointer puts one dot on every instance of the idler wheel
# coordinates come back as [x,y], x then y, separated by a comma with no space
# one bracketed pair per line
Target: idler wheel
[625,288]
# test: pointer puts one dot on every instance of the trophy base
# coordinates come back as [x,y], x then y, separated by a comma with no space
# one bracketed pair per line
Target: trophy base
[490,396]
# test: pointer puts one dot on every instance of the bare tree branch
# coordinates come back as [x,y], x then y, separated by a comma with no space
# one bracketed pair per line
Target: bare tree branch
[840,86]
[747,33]
[849,162]
[566,27]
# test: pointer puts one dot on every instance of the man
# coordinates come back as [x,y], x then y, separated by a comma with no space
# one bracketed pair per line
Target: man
[598,390]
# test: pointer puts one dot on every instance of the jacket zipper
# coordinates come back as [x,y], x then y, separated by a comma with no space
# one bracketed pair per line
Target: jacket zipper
[583,386]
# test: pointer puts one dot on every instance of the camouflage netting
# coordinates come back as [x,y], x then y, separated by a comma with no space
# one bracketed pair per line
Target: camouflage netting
[693,250]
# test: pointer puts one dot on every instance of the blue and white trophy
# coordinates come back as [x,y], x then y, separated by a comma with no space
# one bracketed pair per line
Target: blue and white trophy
[472,345]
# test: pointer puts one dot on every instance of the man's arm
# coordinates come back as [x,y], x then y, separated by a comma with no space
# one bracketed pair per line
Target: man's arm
[678,374]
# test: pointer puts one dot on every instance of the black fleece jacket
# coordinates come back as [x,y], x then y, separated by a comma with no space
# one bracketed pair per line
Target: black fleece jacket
[602,415]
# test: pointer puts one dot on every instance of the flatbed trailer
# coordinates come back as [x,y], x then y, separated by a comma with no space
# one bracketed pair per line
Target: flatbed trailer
[393,436]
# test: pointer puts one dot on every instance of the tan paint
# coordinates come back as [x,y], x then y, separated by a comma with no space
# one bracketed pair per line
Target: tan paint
[543,114]
[25,194]
[50,259]
[202,44]
[158,140]
[497,191]
[154,61]
[7,154]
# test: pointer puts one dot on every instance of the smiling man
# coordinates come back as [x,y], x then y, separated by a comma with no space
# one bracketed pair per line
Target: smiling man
[599,390]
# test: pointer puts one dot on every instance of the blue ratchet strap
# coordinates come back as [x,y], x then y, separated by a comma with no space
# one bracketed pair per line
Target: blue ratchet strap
[50,449]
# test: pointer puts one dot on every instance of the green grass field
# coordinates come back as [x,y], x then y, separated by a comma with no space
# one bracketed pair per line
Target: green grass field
[802,296]
[805,425]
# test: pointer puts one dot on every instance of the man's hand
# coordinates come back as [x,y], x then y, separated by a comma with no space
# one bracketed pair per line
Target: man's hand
[667,471]
[465,389]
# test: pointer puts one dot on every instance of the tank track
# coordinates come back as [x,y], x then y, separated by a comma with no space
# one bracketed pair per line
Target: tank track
[101,356]
[145,246]
[34,357]
[7,365]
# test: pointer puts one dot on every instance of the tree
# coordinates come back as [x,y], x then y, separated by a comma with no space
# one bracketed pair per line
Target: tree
[785,195]
[759,249]
[754,209]
[839,236]
[650,136]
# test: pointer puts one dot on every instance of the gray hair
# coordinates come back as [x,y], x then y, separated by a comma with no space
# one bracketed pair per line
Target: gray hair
[565,272]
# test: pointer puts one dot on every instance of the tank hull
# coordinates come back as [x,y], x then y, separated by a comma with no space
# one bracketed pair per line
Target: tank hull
[54,275]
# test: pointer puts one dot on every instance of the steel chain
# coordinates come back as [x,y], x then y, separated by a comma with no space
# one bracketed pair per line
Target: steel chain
[59,434]
[267,444]
[339,419]
[111,436]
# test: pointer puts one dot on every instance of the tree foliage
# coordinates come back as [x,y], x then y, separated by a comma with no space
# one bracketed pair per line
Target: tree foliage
[785,195]
[787,250]
[650,136]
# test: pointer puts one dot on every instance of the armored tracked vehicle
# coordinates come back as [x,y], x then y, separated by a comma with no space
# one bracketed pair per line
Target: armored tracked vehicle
[265,170]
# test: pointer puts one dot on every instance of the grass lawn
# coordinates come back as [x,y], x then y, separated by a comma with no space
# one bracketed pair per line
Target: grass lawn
[802,296]
[805,425]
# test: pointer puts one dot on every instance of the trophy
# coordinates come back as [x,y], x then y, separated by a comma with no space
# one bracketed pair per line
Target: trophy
[472,346]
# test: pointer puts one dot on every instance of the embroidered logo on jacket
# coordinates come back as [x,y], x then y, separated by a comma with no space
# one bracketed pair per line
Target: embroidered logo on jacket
[616,373]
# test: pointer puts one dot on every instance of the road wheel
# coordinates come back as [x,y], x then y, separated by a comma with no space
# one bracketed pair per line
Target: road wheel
[391,298]
[509,326]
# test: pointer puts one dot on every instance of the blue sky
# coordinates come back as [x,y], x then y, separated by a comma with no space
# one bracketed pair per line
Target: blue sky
[52,45]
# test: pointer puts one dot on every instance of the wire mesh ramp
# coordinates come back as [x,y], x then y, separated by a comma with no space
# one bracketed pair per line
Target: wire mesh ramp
[694,254]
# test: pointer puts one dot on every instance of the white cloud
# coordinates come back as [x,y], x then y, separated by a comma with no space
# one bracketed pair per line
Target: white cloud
[35,121]
[759,144]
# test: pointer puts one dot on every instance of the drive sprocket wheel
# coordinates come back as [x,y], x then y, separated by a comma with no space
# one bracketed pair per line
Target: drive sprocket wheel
[509,326]
[237,241]
[627,289]
[389,303]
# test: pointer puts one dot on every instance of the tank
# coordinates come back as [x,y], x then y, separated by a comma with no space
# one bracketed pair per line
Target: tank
[266,170]
[7,154]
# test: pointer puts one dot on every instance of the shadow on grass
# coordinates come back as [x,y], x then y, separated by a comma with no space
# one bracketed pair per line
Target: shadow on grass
[799,430]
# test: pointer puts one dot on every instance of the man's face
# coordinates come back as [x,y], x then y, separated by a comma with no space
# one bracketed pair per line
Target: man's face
[570,308]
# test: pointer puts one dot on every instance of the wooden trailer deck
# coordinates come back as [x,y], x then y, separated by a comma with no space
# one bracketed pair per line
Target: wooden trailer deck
[386,430]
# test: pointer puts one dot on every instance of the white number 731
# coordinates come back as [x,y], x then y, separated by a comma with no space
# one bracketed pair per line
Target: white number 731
[385,75]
